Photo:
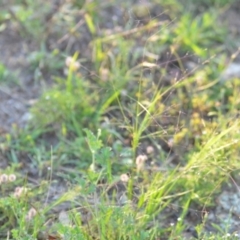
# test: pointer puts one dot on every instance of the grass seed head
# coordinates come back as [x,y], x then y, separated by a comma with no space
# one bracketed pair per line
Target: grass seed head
[12,177]
[150,150]
[71,63]
[3,178]
[170,143]
[140,160]
[124,177]
[19,191]
[31,214]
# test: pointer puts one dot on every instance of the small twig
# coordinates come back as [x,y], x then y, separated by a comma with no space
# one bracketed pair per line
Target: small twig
[65,37]
[132,31]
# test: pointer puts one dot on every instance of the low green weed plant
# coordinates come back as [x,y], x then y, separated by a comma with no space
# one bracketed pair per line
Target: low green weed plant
[6,78]
[101,125]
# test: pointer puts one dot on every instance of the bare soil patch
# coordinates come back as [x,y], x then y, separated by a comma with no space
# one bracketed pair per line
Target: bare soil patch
[15,99]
